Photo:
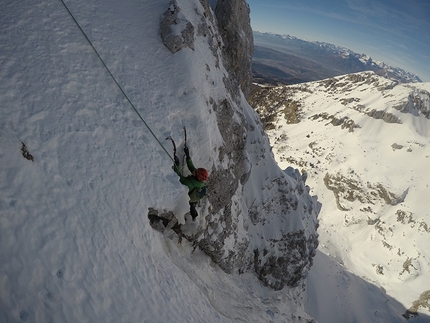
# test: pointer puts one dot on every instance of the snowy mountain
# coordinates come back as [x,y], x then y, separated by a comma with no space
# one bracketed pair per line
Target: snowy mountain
[319,58]
[364,142]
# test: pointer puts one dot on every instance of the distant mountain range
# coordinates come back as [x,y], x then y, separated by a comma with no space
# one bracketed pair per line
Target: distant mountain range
[284,59]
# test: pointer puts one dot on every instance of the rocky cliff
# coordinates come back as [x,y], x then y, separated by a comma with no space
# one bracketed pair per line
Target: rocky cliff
[259,218]
[235,29]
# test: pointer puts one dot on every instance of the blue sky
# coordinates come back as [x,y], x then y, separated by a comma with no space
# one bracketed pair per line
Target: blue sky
[396,32]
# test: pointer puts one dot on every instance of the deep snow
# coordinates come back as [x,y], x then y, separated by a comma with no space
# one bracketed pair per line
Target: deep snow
[76,245]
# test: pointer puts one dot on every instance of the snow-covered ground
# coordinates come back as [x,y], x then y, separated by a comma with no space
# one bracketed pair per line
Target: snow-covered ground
[366,161]
[75,242]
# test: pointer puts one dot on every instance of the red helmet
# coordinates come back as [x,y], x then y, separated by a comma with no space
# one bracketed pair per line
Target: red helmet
[202,174]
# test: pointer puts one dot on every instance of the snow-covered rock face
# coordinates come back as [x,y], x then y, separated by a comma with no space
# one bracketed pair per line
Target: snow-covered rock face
[234,34]
[259,218]
[364,140]
[176,31]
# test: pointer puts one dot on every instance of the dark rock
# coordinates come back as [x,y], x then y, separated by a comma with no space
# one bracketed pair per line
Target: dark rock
[235,27]
[176,31]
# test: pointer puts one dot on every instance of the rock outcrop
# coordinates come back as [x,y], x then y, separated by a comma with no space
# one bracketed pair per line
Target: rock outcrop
[235,28]
[259,218]
[262,223]
[234,35]
[176,31]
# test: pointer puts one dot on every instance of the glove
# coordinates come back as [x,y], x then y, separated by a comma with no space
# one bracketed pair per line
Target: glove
[176,160]
[187,152]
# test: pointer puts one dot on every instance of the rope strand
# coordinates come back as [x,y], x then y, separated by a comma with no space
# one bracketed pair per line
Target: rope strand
[114,79]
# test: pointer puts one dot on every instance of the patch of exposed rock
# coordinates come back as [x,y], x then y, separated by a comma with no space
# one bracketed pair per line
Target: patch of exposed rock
[344,122]
[235,28]
[418,101]
[273,103]
[384,115]
[347,190]
[350,81]
[176,31]
[422,302]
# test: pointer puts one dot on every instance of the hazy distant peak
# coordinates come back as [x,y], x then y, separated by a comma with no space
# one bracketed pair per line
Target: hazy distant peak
[339,59]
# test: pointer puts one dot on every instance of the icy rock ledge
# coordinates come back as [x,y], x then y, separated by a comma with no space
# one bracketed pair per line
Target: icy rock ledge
[176,31]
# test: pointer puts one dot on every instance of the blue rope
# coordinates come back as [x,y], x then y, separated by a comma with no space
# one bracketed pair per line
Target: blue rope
[114,79]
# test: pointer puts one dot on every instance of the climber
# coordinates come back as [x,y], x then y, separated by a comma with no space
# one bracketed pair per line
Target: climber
[194,182]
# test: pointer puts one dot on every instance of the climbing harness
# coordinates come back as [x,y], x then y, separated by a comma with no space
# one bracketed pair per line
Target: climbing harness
[114,79]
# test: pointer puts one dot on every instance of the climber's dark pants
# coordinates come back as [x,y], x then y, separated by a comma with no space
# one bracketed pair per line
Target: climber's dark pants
[193,210]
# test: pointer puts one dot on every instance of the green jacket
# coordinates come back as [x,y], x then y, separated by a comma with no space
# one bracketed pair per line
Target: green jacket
[193,184]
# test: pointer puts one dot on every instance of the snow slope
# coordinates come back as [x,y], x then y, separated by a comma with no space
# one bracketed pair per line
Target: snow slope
[76,245]
[364,142]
